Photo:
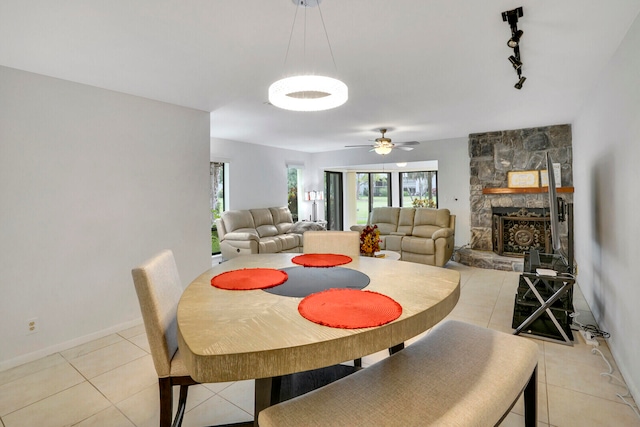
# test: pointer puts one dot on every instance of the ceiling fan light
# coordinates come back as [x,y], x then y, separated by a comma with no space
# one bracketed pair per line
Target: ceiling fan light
[382,150]
[308,93]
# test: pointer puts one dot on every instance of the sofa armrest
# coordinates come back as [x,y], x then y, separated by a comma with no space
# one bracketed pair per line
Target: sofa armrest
[357,228]
[442,233]
[242,236]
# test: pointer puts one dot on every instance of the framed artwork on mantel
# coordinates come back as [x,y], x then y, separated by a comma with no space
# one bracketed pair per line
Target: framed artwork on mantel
[557,174]
[523,179]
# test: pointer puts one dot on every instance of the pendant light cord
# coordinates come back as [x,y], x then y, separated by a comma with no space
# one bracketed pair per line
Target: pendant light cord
[327,37]
[304,46]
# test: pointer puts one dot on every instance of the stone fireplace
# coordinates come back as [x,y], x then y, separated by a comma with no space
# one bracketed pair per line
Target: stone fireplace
[492,156]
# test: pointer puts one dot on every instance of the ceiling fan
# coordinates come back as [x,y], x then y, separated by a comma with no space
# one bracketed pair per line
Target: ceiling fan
[384,145]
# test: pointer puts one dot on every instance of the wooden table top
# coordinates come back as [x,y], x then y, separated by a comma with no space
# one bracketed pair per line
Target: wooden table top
[236,335]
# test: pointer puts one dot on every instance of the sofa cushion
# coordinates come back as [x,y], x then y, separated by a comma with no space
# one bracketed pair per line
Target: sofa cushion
[240,221]
[264,222]
[418,245]
[282,219]
[386,218]
[405,220]
[427,221]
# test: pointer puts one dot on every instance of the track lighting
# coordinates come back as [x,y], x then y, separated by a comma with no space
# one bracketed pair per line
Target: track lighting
[514,41]
[511,16]
[517,64]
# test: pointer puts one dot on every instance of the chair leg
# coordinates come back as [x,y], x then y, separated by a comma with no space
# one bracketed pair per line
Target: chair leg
[182,403]
[531,400]
[166,401]
[357,362]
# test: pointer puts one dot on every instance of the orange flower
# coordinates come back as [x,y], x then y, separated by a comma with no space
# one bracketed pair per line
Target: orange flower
[370,240]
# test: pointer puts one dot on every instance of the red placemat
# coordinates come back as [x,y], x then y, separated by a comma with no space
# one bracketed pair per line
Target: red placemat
[249,278]
[321,260]
[349,308]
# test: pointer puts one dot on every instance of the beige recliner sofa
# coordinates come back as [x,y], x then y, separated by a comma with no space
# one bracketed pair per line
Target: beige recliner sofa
[421,235]
[257,231]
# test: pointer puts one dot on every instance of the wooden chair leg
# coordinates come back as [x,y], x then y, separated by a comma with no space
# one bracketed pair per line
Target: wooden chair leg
[531,400]
[166,401]
[182,403]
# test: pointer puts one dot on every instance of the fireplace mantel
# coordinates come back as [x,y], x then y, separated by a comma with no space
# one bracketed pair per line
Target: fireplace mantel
[525,190]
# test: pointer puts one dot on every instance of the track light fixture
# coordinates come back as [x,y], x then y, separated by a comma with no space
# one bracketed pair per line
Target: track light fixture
[515,39]
[515,62]
[511,16]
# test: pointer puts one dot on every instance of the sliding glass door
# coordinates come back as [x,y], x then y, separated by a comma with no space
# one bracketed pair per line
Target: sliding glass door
[334,200]
[374,190]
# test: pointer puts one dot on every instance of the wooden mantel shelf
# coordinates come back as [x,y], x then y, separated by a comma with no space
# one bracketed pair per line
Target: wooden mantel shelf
[527,190]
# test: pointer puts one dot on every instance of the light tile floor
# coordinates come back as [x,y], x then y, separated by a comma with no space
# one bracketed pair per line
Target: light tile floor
[111,381]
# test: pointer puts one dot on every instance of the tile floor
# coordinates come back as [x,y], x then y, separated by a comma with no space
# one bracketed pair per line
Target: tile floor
[111,381]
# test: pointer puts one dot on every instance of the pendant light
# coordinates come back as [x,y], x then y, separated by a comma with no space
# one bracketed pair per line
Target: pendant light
[308,92]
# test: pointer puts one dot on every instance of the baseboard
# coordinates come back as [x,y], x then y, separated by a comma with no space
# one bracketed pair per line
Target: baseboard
[30,357]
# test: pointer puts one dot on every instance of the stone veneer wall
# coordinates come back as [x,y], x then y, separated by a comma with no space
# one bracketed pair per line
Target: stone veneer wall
[493,154]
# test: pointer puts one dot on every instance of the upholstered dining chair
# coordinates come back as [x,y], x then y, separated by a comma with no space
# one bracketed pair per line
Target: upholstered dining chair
[332,242]
[159,289]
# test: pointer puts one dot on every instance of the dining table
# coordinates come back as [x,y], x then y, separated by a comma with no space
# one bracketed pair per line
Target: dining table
[232,335]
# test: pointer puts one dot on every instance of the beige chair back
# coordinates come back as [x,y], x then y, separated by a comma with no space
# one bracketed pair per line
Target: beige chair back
[159,289]
[332,242]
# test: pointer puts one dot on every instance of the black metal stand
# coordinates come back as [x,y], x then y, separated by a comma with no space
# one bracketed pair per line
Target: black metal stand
[541,299]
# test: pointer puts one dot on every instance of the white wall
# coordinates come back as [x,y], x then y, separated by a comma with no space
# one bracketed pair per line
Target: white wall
[606,150]
[258,174]
[453,173]
[92,182]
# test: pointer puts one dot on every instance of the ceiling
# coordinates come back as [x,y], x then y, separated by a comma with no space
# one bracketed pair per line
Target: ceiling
[424,69]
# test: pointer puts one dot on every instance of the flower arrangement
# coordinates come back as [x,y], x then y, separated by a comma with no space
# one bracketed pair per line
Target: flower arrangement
[370,240]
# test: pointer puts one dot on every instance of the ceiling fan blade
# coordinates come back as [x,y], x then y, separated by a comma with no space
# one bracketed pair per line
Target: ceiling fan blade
[406,143]
[361,145]
[404,148]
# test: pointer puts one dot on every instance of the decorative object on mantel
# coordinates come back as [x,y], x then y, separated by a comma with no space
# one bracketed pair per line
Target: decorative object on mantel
[557,173]
[370,240]
[523,179]
[308,92]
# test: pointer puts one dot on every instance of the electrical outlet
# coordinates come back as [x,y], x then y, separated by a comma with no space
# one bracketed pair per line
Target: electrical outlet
[33,325]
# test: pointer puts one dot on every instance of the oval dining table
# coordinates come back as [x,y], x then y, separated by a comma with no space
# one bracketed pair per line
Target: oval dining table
[232,335]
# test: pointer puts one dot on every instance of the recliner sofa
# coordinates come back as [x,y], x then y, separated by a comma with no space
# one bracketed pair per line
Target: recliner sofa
[257,231]
[422,235]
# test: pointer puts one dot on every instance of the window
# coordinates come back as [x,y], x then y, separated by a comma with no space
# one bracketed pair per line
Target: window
[216,197]
[419,189]
[294,183]
[374,190]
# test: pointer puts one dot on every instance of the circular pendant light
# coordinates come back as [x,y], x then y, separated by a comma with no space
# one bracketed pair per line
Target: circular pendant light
[308,93]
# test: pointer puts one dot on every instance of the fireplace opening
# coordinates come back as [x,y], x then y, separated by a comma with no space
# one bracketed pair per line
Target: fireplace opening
[518,230]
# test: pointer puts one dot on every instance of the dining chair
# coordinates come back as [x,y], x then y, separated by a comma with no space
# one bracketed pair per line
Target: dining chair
[159,289]
[332,242]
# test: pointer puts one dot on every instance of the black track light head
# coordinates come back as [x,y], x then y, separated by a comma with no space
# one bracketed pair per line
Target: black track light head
[517,64]
[520,82]
[514,41]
